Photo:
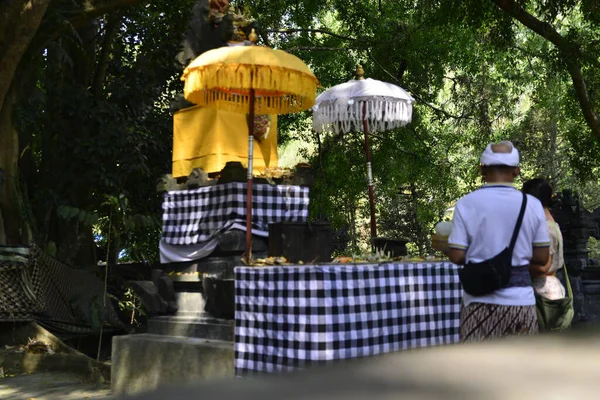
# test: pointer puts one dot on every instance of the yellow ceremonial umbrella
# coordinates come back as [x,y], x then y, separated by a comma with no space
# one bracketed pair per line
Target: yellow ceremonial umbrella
[252,80]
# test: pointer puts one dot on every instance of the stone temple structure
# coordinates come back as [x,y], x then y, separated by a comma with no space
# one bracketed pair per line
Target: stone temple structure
[190,304]
[577,226]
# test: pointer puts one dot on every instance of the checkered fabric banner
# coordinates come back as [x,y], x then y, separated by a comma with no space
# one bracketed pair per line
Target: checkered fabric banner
[196,215]
[20,279]
[36,286]
[293,317]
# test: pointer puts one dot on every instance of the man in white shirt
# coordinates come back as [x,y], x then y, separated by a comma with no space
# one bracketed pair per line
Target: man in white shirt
[483,224]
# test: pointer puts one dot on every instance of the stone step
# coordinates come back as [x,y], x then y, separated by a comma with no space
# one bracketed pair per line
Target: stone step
[194,326]
[146,362]
[189,302]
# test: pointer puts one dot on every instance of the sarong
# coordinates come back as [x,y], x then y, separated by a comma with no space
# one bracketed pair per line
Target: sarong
[480,321]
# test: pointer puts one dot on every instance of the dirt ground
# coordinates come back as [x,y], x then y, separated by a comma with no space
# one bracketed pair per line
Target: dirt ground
[51,386]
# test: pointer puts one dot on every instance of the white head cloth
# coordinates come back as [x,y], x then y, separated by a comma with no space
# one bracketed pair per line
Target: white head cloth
[489,157]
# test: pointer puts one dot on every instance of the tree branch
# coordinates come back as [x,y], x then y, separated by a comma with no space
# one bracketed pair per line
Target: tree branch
[543,56]
[324,31]
[542,28]
[582,96]
[315,48]
[94,8]
[265,38]
[112,27]
[77,16]
[417,97]
[569,52]
[400,149]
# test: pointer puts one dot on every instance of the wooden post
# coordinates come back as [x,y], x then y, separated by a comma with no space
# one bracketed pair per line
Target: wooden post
[249,176]
[369,175]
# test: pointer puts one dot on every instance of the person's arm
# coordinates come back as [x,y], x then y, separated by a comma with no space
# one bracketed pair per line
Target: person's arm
[540,259]
[458,241]
[537,267]
[457,256]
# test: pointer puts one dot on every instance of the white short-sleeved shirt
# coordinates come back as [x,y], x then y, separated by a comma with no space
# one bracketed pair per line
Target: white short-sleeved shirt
[483,224]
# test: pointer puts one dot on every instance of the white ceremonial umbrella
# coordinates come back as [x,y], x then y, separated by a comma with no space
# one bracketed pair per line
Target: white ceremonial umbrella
[367,104]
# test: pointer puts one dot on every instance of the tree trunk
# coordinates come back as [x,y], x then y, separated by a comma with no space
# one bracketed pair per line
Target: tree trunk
[414,203]
[553,153]
[484,107]
[19,22]
[112,28]
[16,230]
[2,232]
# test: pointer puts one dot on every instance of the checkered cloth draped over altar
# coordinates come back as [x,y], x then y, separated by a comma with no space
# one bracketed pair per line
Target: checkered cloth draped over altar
[292,317]
[197,215]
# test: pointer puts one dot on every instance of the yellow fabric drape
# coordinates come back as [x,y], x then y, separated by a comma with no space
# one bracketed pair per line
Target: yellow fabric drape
[208,138]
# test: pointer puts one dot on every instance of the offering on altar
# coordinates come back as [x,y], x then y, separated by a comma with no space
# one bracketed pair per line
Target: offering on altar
[379,257]
[267,262]
[443,228]
[440,238]
[276,173]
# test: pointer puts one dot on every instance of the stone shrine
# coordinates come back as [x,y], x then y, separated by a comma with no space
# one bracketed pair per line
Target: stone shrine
[184,342]
[190,296]
[577,225]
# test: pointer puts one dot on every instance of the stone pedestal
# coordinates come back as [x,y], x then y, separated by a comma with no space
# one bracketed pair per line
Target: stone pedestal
[185,348]
[197,326]
[206,285]
[191,345]
[146,362]
[189,303]
[577,225]
[196,342]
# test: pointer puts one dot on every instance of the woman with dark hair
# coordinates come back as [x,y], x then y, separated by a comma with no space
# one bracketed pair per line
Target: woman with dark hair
[545,282]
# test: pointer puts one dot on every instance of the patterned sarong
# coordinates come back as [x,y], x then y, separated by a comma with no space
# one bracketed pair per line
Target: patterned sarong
[479,321]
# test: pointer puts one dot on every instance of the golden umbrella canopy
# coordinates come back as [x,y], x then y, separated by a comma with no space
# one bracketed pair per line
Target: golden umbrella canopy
[250,79]
[223,78]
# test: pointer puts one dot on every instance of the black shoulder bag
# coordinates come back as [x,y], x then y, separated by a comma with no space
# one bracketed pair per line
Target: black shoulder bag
[479,279]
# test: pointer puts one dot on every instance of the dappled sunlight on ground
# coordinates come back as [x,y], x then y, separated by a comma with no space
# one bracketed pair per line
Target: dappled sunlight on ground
[49,386]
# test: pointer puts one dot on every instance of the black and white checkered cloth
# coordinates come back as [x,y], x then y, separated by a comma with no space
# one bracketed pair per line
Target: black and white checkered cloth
[292,317]
[197,215]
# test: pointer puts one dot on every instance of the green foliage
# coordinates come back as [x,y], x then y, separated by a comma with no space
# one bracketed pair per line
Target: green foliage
[130,304]
[85,218]
[124,229]
[86,144]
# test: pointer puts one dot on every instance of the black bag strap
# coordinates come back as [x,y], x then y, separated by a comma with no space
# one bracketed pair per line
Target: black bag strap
[515,234]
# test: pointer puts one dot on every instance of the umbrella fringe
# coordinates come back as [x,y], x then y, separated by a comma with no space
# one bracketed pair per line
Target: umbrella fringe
[278,90]
[381,115]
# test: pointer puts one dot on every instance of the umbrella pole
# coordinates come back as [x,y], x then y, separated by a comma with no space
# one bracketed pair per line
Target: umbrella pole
[249,176]
[369,175]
